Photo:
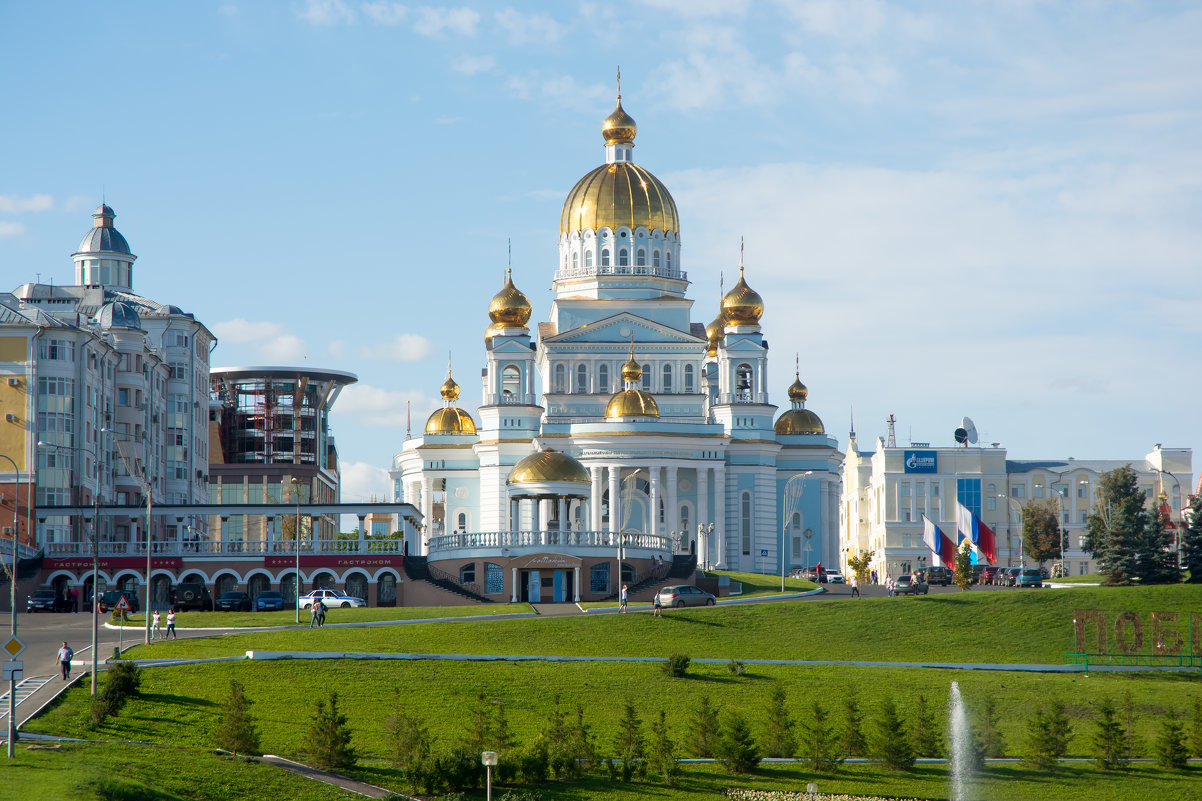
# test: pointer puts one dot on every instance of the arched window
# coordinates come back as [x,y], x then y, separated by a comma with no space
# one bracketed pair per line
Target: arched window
[603,378]
[561,378]
[640,257]
[668,259]
[575,260]
[684,519]
[581,379]
[623,257]
[511,381]
[667,387]
[743,383]
[588,258]
[688,378]
[461,522]
[655,258]
[646,378]
[745,523]
[604,257]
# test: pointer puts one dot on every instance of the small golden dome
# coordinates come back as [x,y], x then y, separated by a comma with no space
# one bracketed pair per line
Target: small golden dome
[713,334]
[509,306]
[450,420]
[632,371]
[799,421]
[449,389]
[631,403]
[619,127]
[798,391]
[742,304]
[548,465]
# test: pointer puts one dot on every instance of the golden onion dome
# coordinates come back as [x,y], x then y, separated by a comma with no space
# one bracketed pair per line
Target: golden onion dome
[621,194]
[631,403]
[797,391]
[632,371]
[509,306]
[742,305]
[548,465]
[619,127]
[713,334]
[450,420]
[799,421]
[449,389]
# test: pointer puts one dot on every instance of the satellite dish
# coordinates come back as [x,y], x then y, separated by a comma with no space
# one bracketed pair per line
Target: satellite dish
[961,436]
[970,428]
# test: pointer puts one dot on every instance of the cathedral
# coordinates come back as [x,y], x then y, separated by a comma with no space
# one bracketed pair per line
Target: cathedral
[620,442]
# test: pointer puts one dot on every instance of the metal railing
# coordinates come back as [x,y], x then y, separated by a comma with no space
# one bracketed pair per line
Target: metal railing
[529,539]
[61,550]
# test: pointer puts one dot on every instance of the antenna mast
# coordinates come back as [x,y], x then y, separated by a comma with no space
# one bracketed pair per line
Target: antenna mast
[892,441]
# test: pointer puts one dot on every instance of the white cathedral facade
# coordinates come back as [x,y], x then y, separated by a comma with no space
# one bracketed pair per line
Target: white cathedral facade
[622,432]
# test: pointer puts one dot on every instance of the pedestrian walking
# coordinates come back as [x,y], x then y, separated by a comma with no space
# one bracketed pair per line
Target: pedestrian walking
[156,622]
[622,600]
[657,606]
[855,585]
[313,613]
[170,625]
[64,660]
[321,614]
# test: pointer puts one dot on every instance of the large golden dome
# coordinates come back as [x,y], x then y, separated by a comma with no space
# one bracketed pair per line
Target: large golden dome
[742,304]
[621,194]
[631,403]
[509,307]
[799,421]
[450,420]
[548,465]
[619,127]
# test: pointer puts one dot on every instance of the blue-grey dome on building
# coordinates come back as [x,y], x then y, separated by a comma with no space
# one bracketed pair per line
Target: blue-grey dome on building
[103,236]
[118,315]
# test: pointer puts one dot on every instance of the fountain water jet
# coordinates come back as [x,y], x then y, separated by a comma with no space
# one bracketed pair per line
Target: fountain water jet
[960,740]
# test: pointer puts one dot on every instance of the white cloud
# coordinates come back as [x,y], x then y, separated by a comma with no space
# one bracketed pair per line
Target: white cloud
[529,28]
[9,229]
[383,13]
[472,65]
[840,19]
[561,90]
[402,348]
[324,13]
[284,349]
[228,10]
[362,482]
[433,21]
[239,330]
[337,349]
[78,203]
[700,8]
[380,408]
[13,204]
[270,341]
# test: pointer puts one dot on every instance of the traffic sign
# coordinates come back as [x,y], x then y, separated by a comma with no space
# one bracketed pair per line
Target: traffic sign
[13,646]
[122,605]
[13,670]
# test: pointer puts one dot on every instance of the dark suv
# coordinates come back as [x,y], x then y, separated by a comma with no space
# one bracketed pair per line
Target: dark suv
[938,574]
[110,599]
[191,595]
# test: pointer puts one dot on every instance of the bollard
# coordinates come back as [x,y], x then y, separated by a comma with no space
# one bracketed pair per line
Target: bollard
[116,652]
[812,788]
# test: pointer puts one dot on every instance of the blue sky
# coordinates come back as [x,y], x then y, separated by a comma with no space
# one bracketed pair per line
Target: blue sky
[965,208]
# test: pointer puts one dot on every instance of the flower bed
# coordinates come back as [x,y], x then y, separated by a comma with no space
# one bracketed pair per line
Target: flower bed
[736,794]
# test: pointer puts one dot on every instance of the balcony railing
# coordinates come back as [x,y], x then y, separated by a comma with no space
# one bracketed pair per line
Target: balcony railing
[253,548]
[620,269]
[496,540]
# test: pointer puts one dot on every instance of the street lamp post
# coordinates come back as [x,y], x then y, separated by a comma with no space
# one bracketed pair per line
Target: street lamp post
[489,758]
[1015,504]
[296,485]
[12,588]
[1181,500]
[95,548]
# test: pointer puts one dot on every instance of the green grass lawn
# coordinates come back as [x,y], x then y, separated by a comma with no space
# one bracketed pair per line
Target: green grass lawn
[1030,626]
[223,620]
[758,585]
[1088,578]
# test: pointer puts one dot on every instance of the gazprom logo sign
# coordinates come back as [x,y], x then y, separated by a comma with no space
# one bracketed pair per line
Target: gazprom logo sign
[921,461]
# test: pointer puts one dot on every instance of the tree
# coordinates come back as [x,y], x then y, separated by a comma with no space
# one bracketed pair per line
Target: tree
[1170,744]
[888,742]
[1191,541]
[736,750]
[1196,728]
[1048,735]
[1115,527]
[704,729]
[410,744]
[851,738]
[819,740]
[924,732]
[236,730]
[1110,739]
[992,744]
[779,740]
[963,574]
[628,742]
[1041,529]
[479,736]
[663,750]
[328,742]
[860,564]
[1155,562]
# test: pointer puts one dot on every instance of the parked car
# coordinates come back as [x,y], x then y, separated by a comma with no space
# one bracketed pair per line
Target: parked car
[987,575]
[1029,577]
[909,585]
[685,595]
[1012,576]
[269,601]
[45,601]
[191,595]
[110,599]
[233,602]
[331,599]
[834,577]
[938,574]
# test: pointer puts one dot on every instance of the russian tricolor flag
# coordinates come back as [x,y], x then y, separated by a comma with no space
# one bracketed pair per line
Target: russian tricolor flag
[940,544]
[981,535]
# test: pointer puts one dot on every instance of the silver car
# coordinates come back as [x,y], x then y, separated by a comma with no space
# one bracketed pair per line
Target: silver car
[332,599]
[680,595]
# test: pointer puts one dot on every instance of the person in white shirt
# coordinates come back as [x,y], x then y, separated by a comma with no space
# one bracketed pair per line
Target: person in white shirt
[170,625]
[64,660]
[156,627]
[855,585]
